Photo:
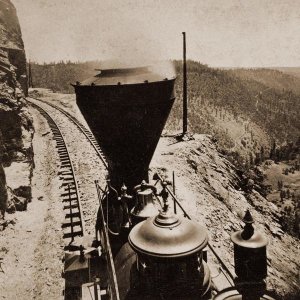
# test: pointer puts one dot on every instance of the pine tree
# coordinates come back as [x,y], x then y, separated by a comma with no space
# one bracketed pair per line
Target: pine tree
[273,151]
[293,197]
[257,159]
[251,162]
[281,195]
[262,153]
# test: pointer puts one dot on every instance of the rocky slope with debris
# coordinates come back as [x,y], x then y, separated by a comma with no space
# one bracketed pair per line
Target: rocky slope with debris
[214,193]
[16,129]
[31,246]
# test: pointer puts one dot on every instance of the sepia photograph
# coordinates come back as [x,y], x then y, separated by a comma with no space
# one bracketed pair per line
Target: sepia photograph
[149,150]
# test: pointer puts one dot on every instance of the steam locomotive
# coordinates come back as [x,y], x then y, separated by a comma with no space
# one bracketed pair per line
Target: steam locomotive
[142,249]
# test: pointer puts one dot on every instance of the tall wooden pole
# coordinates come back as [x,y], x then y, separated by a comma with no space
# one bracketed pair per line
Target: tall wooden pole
[185,108]
[30,83]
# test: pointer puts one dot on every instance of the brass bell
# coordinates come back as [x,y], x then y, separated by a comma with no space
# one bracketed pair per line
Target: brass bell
[144,206]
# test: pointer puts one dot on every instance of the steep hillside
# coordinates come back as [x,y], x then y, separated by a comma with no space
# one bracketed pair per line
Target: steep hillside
[216,194]
[58,76]
[276,79]
[294,71]
[243,114]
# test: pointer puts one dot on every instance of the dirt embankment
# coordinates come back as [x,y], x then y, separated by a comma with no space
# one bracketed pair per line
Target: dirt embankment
[31,248]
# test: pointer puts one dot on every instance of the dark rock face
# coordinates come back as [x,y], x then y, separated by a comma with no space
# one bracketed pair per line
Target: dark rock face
[16,202]
[11,41]
[16,129]
[3,193]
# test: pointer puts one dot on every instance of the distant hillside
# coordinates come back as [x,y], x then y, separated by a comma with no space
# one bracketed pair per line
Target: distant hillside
[59,76]
[238,110]
[294,71]
[245,110]
[277,79]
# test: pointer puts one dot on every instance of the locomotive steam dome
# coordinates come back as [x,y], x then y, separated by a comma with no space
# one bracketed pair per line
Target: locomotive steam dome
[168,236]
[169,257]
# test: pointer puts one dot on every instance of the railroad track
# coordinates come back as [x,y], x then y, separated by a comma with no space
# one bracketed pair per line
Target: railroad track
[73,225]
[88,134]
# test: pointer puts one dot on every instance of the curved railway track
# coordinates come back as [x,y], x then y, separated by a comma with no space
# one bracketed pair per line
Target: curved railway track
[74,220]
[73,225]
[88,134]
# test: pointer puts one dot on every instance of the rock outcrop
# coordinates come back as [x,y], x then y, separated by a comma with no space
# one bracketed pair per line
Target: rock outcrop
[11,42]
[16,129]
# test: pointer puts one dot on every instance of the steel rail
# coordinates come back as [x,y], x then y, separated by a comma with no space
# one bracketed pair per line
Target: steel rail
[68,175]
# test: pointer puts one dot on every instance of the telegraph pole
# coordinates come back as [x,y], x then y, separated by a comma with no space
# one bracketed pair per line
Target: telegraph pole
[185,108]
[30,83]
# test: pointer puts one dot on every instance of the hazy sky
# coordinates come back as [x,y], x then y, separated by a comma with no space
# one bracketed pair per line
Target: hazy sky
[243,33]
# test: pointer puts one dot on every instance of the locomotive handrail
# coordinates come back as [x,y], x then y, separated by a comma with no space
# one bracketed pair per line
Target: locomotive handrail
[113,284]
[185,214]
[209,245]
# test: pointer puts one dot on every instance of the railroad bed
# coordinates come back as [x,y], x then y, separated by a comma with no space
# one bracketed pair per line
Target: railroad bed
[81,163]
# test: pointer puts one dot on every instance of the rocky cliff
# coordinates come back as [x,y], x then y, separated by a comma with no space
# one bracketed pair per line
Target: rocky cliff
[11,41]
[16,130]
